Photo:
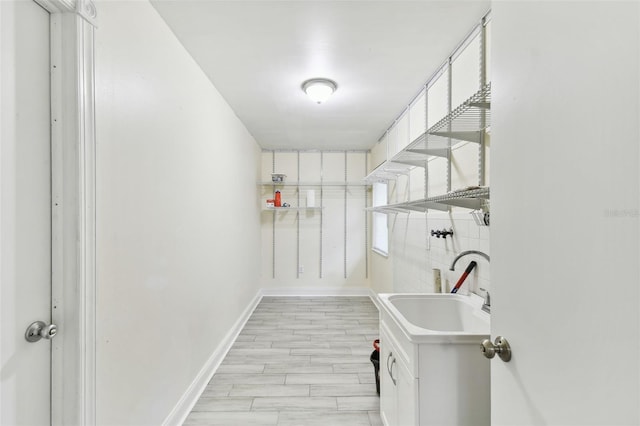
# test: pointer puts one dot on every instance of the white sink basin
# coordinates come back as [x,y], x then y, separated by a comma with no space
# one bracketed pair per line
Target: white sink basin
[438,317]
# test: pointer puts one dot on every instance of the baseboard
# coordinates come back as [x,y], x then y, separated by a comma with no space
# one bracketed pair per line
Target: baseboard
[184,406]
[317,291]
[182,409]
[323,291]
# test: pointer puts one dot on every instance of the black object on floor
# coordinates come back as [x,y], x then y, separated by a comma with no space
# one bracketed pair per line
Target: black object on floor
[375,359]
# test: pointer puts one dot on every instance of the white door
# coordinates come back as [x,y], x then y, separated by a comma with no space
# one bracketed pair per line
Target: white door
[565,212]
[25,213]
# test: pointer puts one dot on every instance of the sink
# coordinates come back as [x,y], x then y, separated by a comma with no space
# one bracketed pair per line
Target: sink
[438,317]
[431,346]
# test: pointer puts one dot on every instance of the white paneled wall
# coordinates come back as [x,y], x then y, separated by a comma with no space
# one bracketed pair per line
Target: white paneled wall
[313,250]
[413,252]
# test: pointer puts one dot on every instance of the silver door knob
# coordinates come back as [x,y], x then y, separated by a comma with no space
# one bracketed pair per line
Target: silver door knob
[39,330]
[500,347]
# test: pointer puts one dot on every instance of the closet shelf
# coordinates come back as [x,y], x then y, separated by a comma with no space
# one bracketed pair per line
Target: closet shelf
[468,120]
[389,170]
[473,199]
[467,123]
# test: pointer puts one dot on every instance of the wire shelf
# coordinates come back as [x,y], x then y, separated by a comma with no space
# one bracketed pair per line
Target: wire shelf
[474,199]
[389,170]
[472,116]
[467,122]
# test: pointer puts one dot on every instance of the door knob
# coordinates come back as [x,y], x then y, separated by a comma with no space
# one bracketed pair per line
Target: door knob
[39,330]
[500,347]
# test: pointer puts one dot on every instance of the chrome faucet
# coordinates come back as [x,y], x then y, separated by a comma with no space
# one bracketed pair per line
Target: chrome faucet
[464,253]
[487,299]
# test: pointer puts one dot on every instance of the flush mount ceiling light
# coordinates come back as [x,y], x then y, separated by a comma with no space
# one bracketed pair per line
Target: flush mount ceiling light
[319,89]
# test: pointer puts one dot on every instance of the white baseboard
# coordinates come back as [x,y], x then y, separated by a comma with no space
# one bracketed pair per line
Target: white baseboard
[182,409]
[184,406]
[317,291]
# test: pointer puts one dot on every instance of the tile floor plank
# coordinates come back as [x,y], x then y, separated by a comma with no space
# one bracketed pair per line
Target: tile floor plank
[358,403]
[269,390]
[343,390]
[322,418]
[296,368]
[249,379]
[247,418]
[223,404]
[294,403]
[315,379]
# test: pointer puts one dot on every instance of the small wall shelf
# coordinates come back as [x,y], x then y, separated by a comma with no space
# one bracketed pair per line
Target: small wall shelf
[319,184]
[284,209]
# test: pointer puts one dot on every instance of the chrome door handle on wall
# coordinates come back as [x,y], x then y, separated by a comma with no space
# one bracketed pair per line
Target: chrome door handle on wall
[39,330]
[500,347]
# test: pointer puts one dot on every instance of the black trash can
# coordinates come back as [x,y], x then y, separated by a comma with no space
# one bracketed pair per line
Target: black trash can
[375,360]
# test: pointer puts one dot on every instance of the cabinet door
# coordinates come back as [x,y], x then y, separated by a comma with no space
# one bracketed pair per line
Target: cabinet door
[388,397]
[398,388]
[406,396]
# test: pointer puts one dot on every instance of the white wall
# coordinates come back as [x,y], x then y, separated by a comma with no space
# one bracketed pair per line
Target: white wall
[178,252]
[566,209]
[313,240]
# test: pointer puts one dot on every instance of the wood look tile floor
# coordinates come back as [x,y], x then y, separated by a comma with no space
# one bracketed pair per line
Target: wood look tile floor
[298,361]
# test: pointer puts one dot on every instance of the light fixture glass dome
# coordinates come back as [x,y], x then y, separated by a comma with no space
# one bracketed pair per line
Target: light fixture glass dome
[319,89]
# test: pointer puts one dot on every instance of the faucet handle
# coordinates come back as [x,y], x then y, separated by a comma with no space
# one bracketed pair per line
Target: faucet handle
[487,301]
[487,297]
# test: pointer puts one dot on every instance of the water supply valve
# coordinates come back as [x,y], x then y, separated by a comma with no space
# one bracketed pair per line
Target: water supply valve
[442,233]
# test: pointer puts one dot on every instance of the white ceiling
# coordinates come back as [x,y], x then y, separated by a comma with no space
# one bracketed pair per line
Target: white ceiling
[258,53]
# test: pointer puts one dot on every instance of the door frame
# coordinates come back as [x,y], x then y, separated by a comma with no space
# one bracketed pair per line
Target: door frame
[73,232]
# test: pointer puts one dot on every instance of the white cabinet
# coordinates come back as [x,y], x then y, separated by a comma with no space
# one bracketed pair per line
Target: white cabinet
[432,384]
[398,387]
